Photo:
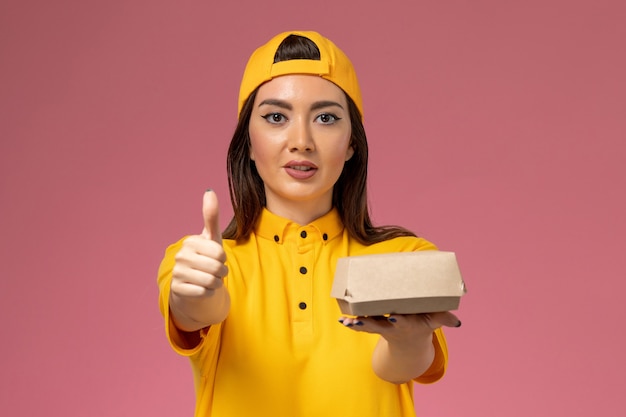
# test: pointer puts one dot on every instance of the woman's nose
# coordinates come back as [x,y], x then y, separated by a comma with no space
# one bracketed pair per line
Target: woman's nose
[300,136]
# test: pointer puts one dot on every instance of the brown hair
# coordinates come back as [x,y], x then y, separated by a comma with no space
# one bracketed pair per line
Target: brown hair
[247,192]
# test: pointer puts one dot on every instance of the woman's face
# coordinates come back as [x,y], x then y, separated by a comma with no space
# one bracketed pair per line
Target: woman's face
[299,140]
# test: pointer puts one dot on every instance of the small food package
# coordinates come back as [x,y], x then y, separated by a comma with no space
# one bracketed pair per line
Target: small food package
[398,283]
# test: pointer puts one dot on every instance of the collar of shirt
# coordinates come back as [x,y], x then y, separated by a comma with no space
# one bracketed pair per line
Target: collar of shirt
[276,228]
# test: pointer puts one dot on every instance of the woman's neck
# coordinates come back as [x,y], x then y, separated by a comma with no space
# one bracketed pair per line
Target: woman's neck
[301,212]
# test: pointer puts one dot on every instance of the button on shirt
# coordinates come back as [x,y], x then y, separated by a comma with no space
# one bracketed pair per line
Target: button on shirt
[281,351]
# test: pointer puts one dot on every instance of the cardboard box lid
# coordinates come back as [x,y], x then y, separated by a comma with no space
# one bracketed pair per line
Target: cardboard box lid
[400,283]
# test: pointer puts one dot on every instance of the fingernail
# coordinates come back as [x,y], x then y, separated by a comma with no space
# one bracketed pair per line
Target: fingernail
[458,324]
[340,321]
[391,319]
[208,190]
[359,323]
[349,324]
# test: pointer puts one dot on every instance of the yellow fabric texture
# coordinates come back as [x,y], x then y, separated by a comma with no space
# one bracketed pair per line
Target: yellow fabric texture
[281,350]
[333,66]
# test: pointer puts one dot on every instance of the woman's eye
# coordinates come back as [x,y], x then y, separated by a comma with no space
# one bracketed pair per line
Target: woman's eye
[274,118]
[327,118]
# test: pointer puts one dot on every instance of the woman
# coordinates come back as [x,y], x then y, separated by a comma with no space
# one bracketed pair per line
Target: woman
[253,312]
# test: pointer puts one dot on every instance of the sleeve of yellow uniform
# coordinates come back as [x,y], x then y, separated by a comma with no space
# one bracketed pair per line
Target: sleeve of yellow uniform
[437,369]
[179,342]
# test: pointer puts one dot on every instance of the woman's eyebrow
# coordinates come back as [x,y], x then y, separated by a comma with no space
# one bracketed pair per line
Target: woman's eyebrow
[325,103]
[286,105]
[276,102]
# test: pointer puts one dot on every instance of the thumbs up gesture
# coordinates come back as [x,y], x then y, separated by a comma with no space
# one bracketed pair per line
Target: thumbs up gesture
[210,213]
[197,295]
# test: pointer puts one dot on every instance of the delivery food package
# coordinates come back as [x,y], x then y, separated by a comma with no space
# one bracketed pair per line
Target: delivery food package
[398,283]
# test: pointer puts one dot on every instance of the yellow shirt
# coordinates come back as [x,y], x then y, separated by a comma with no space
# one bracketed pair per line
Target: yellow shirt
[281,351]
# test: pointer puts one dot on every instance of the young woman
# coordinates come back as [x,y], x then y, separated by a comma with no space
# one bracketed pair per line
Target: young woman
[253,311]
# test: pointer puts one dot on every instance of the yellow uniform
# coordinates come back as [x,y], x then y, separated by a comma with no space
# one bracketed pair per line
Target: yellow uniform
[281,351]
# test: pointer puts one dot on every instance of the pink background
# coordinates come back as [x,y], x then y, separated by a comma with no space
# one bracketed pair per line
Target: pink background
[497,130]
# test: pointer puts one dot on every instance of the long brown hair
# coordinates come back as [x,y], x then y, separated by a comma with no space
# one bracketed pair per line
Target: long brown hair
[247,192]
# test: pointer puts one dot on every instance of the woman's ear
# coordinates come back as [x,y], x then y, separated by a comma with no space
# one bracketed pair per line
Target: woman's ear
[349,153]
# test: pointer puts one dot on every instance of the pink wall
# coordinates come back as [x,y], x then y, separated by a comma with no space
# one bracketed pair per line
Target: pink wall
[497,130]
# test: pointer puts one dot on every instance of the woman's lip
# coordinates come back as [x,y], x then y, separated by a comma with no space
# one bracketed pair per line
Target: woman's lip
[294,169]
[292,164]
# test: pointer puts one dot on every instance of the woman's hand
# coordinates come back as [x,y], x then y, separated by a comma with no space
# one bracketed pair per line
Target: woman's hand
[399,327]
[197,294]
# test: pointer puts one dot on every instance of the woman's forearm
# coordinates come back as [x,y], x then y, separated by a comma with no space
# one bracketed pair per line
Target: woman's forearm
[400,361]
[190,314]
